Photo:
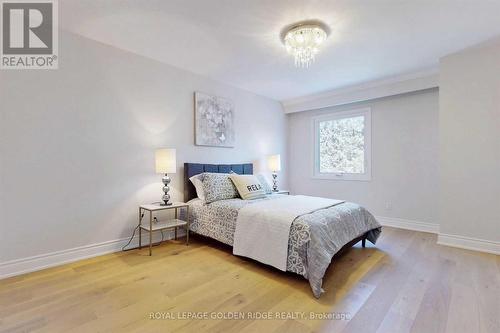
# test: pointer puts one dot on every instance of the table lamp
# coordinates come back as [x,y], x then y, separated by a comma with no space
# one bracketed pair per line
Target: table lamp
[274,163]
[166,163]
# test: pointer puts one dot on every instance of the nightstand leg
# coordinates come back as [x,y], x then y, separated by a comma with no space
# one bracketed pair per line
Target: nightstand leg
[150,233]
[187,226]
[140,221]
[175,230]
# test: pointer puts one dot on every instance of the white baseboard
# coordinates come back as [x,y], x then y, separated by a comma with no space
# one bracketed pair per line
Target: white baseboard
[462,242]
[47,260]
[408,224]
[469,243]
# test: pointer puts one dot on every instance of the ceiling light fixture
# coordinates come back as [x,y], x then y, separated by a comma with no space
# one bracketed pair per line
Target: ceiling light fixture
[303,40]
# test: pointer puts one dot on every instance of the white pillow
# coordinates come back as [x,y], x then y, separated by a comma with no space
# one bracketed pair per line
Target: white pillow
[265,184]
[197,181]
[248,186]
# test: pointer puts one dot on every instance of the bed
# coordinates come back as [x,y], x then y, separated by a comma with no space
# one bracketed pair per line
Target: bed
[314,238]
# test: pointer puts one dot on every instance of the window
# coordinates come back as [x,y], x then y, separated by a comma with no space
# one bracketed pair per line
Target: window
[342,145]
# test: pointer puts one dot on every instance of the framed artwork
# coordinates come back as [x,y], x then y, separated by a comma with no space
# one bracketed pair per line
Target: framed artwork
[214,121]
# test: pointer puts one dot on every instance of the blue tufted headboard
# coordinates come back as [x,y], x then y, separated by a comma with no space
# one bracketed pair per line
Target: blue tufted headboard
[191,169]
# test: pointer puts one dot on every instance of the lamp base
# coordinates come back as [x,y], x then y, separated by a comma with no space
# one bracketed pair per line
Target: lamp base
[275,182]
[166,197]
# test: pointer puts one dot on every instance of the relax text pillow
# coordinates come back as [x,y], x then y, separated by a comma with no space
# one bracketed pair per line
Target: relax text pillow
[248,186]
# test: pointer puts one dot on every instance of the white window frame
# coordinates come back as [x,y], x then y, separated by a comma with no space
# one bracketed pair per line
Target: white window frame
[367,176]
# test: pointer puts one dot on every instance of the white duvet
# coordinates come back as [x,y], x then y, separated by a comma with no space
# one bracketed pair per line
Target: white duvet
[263,228]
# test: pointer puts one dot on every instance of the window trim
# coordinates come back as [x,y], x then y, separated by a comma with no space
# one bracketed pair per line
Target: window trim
[367,176]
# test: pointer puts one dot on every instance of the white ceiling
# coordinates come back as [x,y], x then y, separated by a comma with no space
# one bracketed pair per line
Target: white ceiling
[237,41]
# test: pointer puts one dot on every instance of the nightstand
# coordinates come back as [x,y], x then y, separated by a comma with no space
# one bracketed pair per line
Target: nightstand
[282,192]
[161,225]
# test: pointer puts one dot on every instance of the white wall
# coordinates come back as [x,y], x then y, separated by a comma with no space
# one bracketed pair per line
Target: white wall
[77,144]
[404,158]
[469,127]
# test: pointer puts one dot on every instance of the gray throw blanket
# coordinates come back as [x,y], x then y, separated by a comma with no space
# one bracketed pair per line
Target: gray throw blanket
[330,229]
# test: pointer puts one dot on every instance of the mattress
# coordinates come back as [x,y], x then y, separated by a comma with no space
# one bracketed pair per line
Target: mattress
[217,220]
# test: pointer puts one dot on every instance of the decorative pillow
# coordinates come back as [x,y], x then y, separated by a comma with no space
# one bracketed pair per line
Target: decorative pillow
[218,186]
[248,186]
[197,181]
[265,184]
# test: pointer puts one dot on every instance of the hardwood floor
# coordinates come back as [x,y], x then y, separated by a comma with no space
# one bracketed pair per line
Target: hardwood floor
[406,283]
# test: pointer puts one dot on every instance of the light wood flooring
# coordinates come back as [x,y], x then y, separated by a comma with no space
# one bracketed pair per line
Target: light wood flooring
[406,283]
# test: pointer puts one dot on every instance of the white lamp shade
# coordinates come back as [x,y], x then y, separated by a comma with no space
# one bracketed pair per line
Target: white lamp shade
[274,162]
[166,161]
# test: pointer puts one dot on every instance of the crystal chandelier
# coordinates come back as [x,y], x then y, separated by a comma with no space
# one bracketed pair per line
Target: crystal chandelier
[303,40]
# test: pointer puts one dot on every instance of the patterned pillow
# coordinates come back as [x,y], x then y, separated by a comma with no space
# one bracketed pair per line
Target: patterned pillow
[248,186]
[265,184]
[218,186]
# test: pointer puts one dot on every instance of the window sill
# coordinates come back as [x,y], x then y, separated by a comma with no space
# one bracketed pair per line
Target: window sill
[361,178]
